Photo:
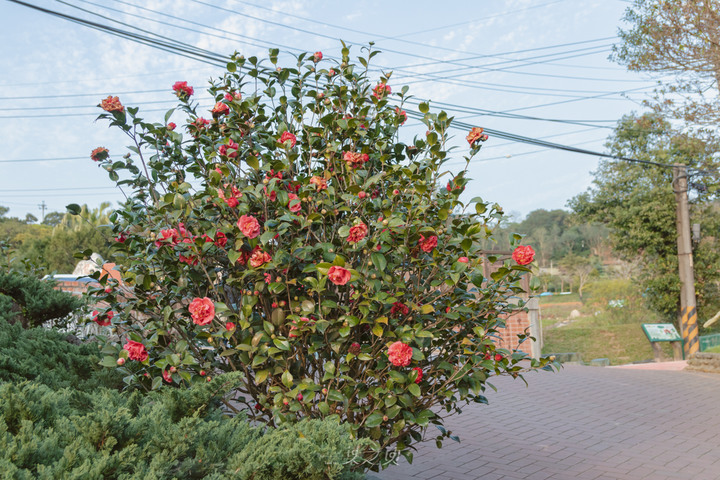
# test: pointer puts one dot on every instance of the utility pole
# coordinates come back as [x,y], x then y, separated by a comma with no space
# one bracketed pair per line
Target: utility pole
[42,207]
[688,310]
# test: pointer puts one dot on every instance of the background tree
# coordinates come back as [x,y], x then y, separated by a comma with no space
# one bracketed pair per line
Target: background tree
[638,204]
[682,38]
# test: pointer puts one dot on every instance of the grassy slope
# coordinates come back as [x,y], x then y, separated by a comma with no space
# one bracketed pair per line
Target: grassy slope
[597,334]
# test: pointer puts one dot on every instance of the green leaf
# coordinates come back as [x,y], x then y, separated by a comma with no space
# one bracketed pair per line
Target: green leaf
[261,376]
[73,209]
[424,107]
[231,67]
[377,330]
[414,389]
[374,420]
[379,261]
[287,379]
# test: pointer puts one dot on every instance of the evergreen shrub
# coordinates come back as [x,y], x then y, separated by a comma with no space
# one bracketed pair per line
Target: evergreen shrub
[34,301]
[170,434]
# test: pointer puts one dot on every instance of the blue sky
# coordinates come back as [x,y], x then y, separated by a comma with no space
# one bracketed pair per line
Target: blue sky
[541,58]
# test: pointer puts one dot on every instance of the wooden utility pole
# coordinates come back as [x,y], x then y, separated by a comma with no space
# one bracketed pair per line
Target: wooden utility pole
[688,310]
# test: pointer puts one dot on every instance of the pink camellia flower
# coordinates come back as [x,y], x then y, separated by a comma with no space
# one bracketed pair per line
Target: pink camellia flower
[339,275]
[100,153]
[362,195]
[171,126]
[202,310]
[220,108]
[355,160]
[401,114]
[136,351]
[230,326]
[357,232]
[230,150]
[317,57]
[380,90]
[272,196]
[419,374]
[319,182]
[167,376]
[331,72]
[463,259]
[112,104]
[400,354]
[399,308]
[287,136]
[249,226]
[475,135]
[354,348]
[524,255]
[428,244]
[182,89]
[294,203]
[259,258]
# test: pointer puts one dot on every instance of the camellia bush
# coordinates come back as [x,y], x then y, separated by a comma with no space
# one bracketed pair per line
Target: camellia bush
[287,233]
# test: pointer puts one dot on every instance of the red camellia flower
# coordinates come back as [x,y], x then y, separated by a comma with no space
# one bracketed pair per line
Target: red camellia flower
[103,320]
[249,226]
[112,104]
[428,244]
[362,195]
[287,136]
[498,357]
[339,275]
[168,235]
[191,260]
[399,308]
[475,135]
[354,348]
[294,203]
[182,89]
[230,326]
[229,150]
[121,238]
[380,90]
[355,160]
[220,239]
[463,259]
[319,182]
[357,233]
[167,376]
[232,200]
[401,114]
[100,153]
[259,258]
[171,126]
[202,310]
[136,351]
[400,354]
[419,374]
[317,57]
[220,108]
[524,255]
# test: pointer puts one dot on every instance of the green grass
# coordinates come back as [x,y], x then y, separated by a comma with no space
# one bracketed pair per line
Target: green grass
[715,349]
[616,335]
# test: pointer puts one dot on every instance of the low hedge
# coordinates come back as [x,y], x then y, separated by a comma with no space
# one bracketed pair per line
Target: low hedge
[169,434]
[31,301]
[47,357]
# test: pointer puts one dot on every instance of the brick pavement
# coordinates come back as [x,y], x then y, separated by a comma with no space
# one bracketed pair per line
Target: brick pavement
[584,423]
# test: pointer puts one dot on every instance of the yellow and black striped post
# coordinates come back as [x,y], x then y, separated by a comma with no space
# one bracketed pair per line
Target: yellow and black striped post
[688,310]
[691,341]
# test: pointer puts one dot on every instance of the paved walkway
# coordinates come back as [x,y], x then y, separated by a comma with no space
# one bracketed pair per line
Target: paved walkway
[583,423]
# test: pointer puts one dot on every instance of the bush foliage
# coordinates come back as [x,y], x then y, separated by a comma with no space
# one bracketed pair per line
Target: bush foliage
[292,236]
[31,301]
[47,357]
[51,434]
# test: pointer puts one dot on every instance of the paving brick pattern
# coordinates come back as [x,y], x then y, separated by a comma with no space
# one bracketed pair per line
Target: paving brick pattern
[583,423]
